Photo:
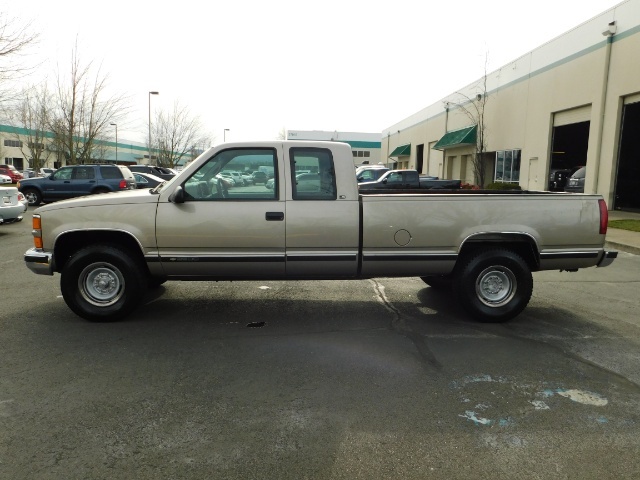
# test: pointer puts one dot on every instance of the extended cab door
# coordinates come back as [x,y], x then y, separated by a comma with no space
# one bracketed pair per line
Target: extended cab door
[223,231]
[322,216]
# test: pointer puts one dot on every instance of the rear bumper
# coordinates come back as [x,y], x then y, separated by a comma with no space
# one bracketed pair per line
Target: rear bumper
[608,258]
[38,261]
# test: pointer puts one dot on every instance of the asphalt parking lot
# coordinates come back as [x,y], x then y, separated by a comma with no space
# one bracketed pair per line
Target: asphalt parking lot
[381,378]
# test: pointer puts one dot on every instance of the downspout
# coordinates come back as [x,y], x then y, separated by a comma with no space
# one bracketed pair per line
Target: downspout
[609,33]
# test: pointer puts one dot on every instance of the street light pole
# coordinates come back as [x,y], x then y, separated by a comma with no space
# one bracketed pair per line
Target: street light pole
[116,125]
[224,135]
[150,93]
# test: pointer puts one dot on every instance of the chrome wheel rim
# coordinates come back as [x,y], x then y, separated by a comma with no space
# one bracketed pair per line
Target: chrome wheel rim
[101,284]
[31,197]
[496,286]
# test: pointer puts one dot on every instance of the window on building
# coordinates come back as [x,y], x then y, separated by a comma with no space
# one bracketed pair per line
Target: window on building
[361,153]
[507,166]
[13,143]
[36,146]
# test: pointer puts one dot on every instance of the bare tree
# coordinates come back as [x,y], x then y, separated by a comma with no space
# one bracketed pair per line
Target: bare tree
[83,112]
[30,119]
[474,108]
[177,134]
[15,38]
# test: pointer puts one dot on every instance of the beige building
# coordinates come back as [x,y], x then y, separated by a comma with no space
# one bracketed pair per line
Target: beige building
[574,101]
[365,147]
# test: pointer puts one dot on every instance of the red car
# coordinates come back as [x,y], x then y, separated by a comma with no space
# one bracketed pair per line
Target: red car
[10,171]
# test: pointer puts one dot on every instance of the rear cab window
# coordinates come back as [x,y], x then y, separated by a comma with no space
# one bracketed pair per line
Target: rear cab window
[318,182]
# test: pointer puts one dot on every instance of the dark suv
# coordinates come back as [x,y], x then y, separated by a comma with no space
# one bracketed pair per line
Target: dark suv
[75,181]
[161,172]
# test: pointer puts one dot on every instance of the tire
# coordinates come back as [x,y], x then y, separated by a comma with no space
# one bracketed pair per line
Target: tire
[438,282]
[101,283]
[155,282]
[493,285]
[33,196]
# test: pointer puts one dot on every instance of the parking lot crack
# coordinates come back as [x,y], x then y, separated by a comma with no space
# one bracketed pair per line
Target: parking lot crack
[399,325]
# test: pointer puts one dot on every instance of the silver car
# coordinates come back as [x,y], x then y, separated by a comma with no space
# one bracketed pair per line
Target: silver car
[12,205]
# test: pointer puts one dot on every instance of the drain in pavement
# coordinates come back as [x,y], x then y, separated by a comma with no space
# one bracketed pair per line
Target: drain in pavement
[256,324]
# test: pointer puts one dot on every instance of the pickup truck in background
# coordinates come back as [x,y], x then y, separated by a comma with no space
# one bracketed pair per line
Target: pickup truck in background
[370,173]
[482,244]
[160,172]
[407,179]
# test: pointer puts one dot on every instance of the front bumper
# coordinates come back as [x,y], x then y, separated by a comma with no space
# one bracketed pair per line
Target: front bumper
[38,261]
[608,258]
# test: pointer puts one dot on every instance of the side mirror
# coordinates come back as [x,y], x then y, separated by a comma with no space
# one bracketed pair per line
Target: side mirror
[177,196]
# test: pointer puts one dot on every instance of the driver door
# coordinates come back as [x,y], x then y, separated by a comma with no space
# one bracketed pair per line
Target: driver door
[221,230]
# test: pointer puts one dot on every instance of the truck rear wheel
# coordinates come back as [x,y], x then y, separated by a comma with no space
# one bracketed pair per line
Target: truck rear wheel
[493,285]
[101,283]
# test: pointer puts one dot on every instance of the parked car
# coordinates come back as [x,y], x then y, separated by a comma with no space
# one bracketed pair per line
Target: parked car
[237,177]
[260,177]
[5,179]
[146,180]
[12,205]
[247,177]
[575,184]
[558,178]
[270,183]
[75,181]
[229,178]
[162,172]
[12,172]
[45,171]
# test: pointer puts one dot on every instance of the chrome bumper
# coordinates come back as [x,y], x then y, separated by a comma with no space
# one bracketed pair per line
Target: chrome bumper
[38,261]
[608,258]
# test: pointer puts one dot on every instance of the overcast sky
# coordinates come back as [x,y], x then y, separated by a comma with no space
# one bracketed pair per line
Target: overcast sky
[256,67]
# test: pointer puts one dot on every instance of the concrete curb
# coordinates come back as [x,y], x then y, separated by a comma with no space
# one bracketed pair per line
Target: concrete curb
[622,247]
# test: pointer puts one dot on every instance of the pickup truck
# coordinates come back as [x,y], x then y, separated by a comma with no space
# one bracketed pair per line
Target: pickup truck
[483,245]
[407,179]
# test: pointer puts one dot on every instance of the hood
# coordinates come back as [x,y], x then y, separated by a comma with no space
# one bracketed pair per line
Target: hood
[138,196]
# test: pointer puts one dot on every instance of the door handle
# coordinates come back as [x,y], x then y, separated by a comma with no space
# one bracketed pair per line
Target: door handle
[274,216]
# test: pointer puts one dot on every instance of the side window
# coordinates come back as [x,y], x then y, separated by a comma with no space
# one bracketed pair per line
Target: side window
[235,174]
[110,172]
[320,182]
[63,174]
[395,177]
[83,173]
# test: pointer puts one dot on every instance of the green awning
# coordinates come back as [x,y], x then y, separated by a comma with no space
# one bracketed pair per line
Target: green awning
[457,138]
[401,151]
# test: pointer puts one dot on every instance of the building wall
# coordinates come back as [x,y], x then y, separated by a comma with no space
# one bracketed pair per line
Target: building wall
[365,146]
[568,72]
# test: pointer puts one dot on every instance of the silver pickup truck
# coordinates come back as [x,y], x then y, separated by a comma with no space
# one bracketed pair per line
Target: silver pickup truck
[110,248]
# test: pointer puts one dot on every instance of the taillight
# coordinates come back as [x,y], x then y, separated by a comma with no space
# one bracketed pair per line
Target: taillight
[36,224]
[604,216]
[123,184]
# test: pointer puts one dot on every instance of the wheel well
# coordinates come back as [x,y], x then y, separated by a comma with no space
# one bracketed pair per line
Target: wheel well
[520,244]
[71,242]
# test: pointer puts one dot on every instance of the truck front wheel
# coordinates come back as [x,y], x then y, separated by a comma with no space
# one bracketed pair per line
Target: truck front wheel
[101,283]
[493,285]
